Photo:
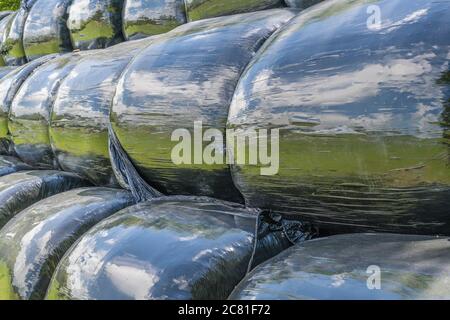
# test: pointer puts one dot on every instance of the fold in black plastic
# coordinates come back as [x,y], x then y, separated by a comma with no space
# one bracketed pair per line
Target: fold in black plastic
[34,241]
[354,267]
[363,138]
[20,190]
[45,30]
[301,4]
[170,248]
[95,24]
[10,165]
[3,25]
[143,18]
[184,77]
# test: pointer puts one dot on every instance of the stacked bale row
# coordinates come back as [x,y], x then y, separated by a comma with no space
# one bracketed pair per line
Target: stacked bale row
[58,117]
[234,72]
[43,27]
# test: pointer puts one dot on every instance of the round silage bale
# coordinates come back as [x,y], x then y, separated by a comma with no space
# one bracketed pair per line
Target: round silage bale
[29,116]
[34,241]
[45,30]
[95,24]
[203,9]
[9,85]
[143,18]
[171,248]
[358,267]
[12,47]
[80,117]
[186,77]
[362,108]
[21,189]
[3,24]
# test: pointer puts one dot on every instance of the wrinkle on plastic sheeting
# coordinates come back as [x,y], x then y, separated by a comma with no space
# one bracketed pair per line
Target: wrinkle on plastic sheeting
[29,117]
[203,9]
[80,117]
[33,242]
[9,85]
[10,165]
[45,30]
[186,76]
[3,24]
[5,70]
[167,248]
[143,18]
[345,268]
[361,113]
[302,4]
[12,47]
[95,24]
[22,189]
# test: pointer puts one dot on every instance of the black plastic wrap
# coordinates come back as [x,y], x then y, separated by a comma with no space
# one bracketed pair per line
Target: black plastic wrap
[34,241]
[30,112]
[9,85]
[95,24]
[10,165]
[4,14]
[46,29]
[21,189]
[362,112]
[5,70]
[346,267]
[203,9]
[301,4]
[143,18]
[3,24]
[171,248]
[186,76]
[80,118]
[12,46]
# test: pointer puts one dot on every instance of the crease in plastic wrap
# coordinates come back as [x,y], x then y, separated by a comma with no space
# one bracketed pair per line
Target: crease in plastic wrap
[29,117]
[3,24]
[167,248]
[185,77]
[203,9]
[45,30]
[336,268]
[10,164]
[143,18]
[32,243]
[95,24]
[12,47]
[9,85]
[303,4]
[22,189]
[362,115]
[80,117]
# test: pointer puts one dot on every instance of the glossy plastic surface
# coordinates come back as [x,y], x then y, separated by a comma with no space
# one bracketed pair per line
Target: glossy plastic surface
[347,267]
[301,4]
[33,242]
[3,25]
[362,112]
[10,165]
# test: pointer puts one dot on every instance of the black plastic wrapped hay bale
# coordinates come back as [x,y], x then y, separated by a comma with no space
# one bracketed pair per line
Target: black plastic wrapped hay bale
[29,116]
[95,24]
[301,4]
[203,9]
[3,24]
[143,18]
[354,267]
[362,112]
[9,85]
[33,242]
[80,117]
[187,76]
[10,165]
[12,46]
[172,248]
[46,29]
[20,190]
